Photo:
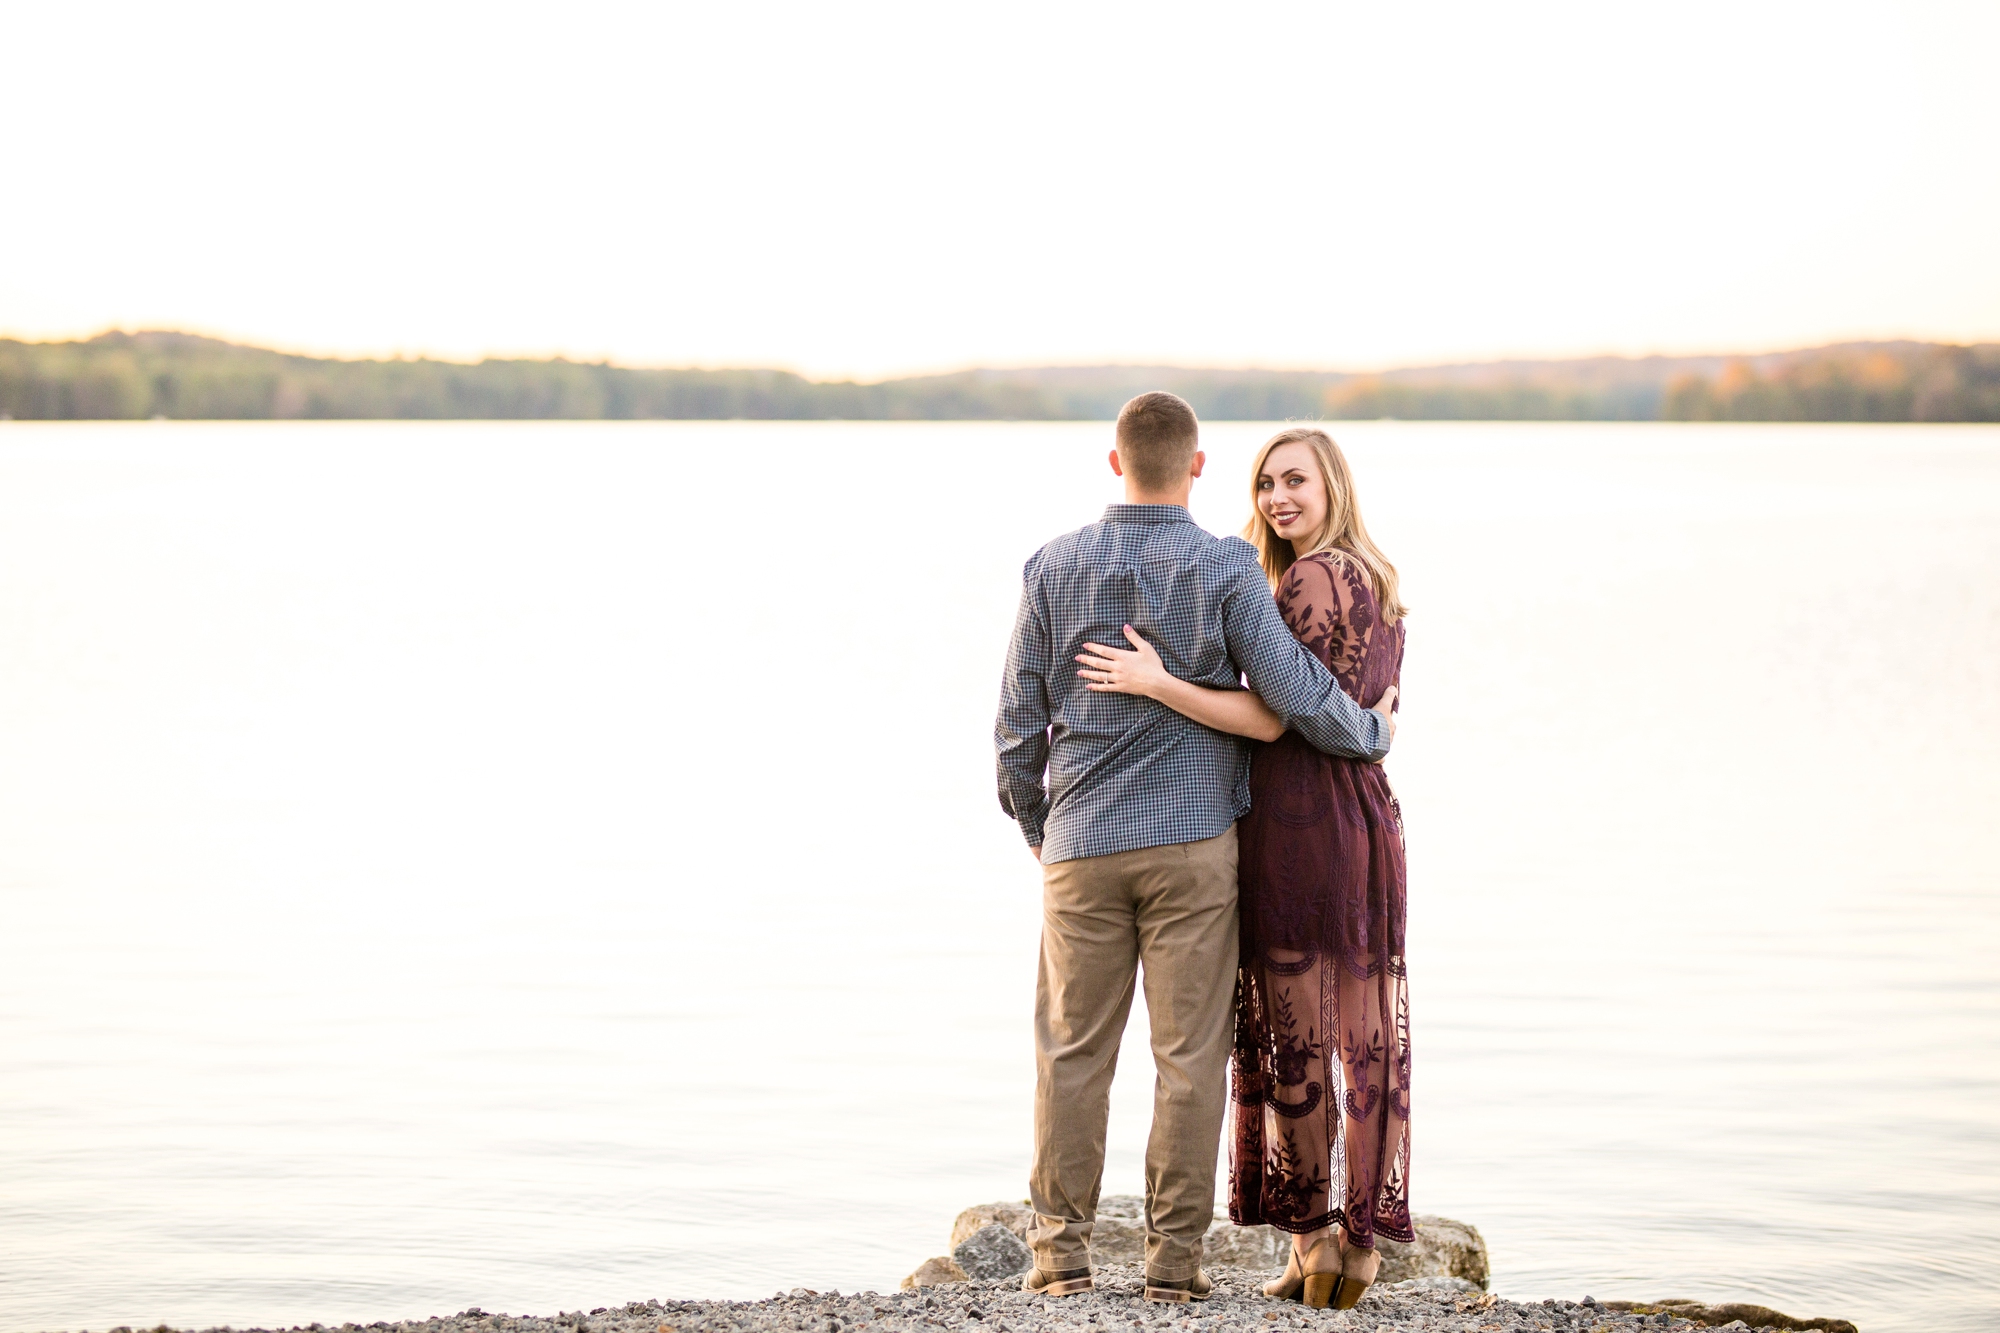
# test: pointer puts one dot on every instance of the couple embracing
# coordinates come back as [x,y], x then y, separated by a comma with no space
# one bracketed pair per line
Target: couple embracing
[1257,889]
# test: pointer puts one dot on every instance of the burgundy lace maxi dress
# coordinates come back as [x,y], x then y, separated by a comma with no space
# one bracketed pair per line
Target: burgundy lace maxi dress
[1320,1075]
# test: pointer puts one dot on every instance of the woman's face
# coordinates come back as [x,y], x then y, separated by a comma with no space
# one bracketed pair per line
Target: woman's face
[1291,494]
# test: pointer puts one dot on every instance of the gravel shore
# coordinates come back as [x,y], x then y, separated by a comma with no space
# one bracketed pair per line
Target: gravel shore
[1000,1306]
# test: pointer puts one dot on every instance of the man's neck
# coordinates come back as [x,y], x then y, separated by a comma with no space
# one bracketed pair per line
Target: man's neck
[1135,496]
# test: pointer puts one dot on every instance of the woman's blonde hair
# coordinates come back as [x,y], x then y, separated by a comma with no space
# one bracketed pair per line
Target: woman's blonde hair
[1343,534]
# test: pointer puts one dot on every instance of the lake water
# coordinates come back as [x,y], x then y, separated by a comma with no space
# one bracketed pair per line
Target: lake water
[542,866]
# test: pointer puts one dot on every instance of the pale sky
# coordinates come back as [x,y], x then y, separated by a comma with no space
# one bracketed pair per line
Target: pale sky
[878,188]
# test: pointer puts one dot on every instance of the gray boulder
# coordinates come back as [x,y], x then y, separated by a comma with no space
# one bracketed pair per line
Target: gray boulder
[1016,1217]
[1118,1238]
[1443,1249]
[993,1252]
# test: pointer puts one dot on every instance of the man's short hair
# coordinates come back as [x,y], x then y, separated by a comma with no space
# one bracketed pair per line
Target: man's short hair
[1157,437]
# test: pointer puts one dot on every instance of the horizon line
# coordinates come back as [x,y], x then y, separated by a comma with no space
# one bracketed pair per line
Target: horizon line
[1495,362]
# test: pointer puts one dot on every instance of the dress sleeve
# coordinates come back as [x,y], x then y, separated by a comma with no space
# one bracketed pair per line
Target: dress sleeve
[1287,676]
[1326,602]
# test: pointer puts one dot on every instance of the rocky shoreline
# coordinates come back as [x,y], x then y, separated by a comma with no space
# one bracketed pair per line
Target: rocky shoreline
[1436,1285]
[1438,1282]
[1422,1305]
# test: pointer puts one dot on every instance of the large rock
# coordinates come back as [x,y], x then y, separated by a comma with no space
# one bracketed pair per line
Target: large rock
[1443,1248]
[1230,1246]
[1016,1217]
[1721,1316]
[1120,1234]
[993,1252]
[1118,1238]
[934,1273]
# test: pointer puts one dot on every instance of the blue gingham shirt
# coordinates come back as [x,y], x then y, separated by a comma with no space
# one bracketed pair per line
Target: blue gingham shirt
[1088,773]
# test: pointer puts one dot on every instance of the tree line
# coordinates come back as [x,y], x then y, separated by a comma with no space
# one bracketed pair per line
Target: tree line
[134,376]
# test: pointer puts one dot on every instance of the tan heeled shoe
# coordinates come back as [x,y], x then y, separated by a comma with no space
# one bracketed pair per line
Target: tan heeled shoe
[1321,1279]
[1287,1287]
[1358,1268]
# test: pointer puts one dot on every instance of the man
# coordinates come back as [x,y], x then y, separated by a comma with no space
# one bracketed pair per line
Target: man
[1131,810]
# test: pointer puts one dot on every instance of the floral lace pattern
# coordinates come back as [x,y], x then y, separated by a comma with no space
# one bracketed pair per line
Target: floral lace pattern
[1320,1074]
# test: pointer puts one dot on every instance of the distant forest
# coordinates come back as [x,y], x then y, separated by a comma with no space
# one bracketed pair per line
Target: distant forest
[134,376]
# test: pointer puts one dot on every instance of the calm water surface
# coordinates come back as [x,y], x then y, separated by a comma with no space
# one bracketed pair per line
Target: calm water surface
[540,866]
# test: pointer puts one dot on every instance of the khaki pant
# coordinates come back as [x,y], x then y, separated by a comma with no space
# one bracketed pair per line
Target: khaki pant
[1172,911]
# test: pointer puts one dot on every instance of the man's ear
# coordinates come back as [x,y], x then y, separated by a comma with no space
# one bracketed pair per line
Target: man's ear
[1199,459]
[1117,468]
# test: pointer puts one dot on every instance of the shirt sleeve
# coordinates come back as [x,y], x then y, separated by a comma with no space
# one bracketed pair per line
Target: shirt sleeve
[1290,680]
[1021,732]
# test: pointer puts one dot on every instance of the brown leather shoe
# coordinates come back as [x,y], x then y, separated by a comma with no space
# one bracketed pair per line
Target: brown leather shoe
[1178,1291]
[1068,1282]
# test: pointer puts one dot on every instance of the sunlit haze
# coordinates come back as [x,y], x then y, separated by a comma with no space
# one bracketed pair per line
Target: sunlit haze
[876,188]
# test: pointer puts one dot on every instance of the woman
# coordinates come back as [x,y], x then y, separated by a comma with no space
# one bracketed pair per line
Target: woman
[1321,984]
